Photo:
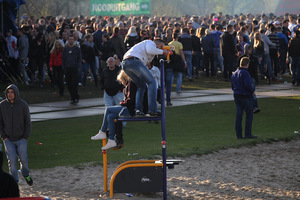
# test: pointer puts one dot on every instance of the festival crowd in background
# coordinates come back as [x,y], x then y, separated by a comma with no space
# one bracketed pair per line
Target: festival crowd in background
[203,45]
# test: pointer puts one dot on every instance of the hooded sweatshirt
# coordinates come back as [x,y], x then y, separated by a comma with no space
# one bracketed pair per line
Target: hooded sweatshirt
[15,122]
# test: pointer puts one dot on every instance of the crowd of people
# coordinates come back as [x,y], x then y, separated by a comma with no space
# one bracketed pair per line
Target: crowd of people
[41,48]
[122,54]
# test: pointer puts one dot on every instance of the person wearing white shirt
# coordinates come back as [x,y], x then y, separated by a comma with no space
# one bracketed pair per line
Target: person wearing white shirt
[134,65]
[13,54]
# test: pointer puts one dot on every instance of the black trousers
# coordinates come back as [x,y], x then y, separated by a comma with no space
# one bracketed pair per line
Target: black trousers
[58,78]
[72,79]
[209,61]
[228,61]
[275,61]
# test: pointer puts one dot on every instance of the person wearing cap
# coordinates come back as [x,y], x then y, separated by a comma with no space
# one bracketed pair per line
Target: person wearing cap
[276,24]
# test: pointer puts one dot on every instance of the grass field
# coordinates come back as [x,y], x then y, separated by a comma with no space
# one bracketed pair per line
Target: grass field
[36,94]
[191,130]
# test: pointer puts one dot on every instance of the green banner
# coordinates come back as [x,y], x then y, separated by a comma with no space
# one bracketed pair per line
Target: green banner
[119,7]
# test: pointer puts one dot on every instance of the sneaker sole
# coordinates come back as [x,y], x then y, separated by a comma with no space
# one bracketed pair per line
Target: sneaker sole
[98,138]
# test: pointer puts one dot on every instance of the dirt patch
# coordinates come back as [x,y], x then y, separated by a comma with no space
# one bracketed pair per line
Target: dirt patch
[264,171]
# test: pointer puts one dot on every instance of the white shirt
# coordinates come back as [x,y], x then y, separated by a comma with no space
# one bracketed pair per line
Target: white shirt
[156,74]
[12,47]
[144,51]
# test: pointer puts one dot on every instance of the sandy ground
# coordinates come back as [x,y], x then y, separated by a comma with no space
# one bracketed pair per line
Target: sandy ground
[264,171]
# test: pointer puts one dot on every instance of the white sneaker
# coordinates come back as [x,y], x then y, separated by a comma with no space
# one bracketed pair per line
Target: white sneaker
[110,144]
[101,135]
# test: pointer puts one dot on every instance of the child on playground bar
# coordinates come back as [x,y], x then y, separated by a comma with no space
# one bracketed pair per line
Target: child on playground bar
[126,108]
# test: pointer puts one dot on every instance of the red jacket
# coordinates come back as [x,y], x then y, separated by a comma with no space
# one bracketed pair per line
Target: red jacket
[56,58]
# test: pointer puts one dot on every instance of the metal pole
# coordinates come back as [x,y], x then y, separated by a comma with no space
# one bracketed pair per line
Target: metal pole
[163,128]
[104,152]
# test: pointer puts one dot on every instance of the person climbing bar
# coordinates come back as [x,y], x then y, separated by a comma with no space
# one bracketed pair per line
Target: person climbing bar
[134,64]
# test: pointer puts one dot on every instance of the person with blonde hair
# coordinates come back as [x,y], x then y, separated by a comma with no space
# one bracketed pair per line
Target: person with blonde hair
[131,38]
[258,52]
[126,108]
[55,65]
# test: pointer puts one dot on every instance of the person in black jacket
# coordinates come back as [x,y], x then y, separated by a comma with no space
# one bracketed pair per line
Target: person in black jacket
[252,69]
[132,38]
[8,186]
[228,52]
[89,53]
[186,40]
[71,62]
[38,57]
[107,50]
[208,45]
[196,52]
[294,52]
[109,84]
[126,108]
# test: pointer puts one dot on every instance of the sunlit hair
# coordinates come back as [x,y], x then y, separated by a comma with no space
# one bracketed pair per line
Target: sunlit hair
[198,32]
[257,40]
[123,77]
[244,61]
[131,30]
[54,48]
[207,32]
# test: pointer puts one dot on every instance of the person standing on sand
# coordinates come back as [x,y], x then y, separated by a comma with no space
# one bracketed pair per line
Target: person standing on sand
[15,129]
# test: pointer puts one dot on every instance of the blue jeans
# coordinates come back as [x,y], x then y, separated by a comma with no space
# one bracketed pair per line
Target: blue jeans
[188,58]
[261,66]
[23,70]
[14,150]
[142,77]
[268,62]
[179,80]
[112,113]
[85,69]
[296,69]
[113,100]
[244,103]
[255,104]
[218,60]
[169,80]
